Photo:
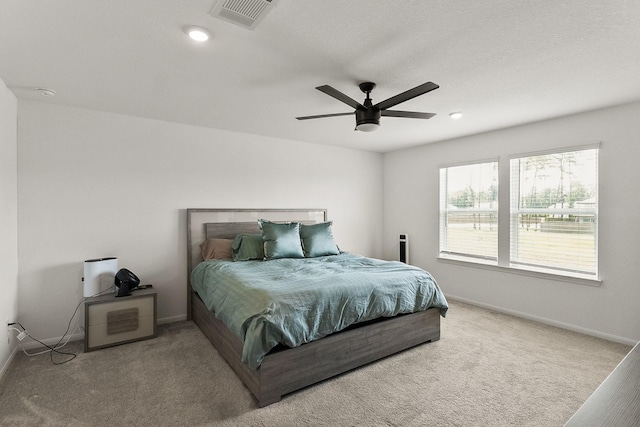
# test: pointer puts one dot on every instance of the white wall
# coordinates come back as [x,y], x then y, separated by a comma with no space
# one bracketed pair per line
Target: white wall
[610,310]
[8,218]
[95,184]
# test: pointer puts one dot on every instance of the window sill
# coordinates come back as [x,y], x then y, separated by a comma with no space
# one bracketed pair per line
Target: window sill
[533,272]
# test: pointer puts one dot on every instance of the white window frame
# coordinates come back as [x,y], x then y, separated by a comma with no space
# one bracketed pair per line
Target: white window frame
[444,251]
[515,210]
[504,225]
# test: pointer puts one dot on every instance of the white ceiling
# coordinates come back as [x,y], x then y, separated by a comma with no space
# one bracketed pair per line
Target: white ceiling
[501,62]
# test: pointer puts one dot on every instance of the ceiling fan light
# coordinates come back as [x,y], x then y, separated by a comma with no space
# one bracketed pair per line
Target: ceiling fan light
[368,127]
[367,120]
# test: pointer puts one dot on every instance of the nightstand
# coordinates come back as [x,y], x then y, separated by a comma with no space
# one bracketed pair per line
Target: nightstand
[110,321]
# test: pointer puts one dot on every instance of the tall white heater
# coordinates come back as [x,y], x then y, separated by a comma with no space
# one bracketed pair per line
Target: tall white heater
[99,275]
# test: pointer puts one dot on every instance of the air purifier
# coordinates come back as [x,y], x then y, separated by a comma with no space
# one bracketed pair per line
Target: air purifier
[99,275]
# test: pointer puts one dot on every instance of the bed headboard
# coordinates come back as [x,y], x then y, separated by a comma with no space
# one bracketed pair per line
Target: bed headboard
[227,223]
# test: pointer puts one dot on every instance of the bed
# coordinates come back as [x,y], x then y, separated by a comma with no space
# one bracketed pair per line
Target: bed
[282,369]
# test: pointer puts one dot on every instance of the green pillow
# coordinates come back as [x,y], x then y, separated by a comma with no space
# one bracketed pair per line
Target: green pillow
[317,240]
[246,247]
[281,240]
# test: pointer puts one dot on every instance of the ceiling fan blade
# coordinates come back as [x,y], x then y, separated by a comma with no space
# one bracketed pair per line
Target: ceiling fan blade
[324,115]
[405,96]
[408,114]
[340,96]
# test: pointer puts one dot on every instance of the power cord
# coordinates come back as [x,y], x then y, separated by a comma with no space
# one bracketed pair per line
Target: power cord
[55,349]
[50,350]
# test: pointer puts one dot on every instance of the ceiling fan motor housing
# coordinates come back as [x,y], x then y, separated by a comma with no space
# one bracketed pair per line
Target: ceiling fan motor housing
[370,115]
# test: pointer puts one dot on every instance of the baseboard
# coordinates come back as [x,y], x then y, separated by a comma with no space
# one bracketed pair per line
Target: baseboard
[5,367]
[49,341]
[80,336]
[551,322]
[172,319]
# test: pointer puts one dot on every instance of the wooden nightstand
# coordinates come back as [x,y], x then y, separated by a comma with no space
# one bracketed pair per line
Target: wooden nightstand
[112,321]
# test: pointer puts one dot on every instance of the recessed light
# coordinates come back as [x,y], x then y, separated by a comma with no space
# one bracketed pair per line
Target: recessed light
[456,115]
[46,92]
[198,34]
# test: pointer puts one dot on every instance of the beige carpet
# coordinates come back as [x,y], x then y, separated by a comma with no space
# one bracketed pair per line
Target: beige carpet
[488,369]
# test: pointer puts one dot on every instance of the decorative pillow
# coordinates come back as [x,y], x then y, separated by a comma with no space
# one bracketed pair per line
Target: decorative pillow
[317,240]
[246,247]
[216,249]
[281,240]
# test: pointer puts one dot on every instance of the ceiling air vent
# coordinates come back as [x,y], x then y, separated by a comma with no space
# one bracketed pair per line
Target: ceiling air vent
[245,13]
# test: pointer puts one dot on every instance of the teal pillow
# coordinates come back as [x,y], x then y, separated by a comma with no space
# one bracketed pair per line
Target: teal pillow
[246,247]
[317,240]
[281,240]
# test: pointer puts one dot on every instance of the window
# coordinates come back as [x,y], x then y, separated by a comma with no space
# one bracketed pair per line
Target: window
[550,225]
[469,211]
[554,212]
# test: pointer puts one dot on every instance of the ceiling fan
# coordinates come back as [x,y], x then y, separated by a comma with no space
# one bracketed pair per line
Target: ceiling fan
[367,114]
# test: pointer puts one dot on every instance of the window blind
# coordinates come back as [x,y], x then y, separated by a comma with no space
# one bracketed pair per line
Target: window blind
[554,211]
[469,210]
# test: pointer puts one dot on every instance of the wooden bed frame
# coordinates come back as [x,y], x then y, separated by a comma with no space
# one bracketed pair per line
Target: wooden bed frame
[285,370]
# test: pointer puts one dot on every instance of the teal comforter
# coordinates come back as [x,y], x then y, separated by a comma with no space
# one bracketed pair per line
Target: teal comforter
[295,301]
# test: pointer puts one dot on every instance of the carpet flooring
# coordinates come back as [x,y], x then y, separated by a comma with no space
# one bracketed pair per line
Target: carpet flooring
[488,369]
